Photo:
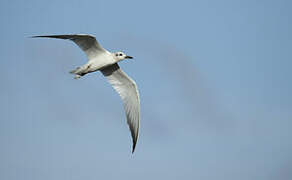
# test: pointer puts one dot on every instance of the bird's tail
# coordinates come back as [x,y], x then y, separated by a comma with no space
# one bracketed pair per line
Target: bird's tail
[75,71]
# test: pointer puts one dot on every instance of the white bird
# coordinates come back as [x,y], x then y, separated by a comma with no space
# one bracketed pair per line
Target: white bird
[102,60]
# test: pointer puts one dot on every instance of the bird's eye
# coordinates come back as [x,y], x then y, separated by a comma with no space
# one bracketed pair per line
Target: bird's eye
[120,54]
[117,54]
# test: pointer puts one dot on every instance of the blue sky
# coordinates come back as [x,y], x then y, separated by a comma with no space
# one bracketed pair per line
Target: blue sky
[214,80]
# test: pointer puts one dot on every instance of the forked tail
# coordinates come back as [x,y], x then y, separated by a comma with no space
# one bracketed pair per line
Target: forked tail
[78,73]
[75,70]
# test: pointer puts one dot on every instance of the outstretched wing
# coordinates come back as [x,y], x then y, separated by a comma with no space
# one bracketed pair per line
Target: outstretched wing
[128,91]
[86,42]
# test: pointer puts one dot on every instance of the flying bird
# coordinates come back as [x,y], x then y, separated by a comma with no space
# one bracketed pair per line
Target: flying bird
[99,59]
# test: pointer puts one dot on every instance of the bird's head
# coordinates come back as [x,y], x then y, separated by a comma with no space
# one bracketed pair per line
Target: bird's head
[119,56]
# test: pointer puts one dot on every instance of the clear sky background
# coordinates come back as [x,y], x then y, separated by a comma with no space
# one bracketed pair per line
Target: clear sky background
[214,80]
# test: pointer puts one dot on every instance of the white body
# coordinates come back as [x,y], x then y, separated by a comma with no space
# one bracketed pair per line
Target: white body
[106,62]
[101,60]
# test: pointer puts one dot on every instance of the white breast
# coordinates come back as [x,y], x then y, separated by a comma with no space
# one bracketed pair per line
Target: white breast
[101,61]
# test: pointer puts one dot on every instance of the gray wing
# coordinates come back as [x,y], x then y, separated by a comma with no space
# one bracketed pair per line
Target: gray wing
[128,91]
[86,42]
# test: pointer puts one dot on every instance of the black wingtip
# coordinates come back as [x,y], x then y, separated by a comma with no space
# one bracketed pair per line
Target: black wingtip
[135,138]
[133,150]
[38,36]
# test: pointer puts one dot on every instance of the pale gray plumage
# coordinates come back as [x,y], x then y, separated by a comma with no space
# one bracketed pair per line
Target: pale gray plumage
[128,91]
[86,42]
[106,62]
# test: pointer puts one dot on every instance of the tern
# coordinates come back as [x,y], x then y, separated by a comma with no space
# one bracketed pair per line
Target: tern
[99,59]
